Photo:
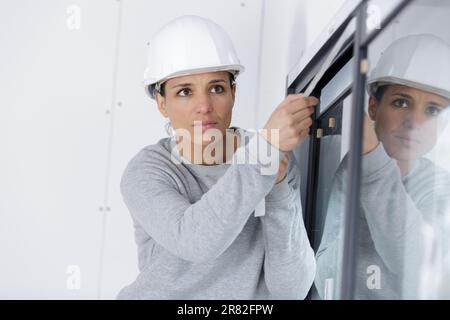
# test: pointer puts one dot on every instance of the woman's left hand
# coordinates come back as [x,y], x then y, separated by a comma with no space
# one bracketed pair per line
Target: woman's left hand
[282,169]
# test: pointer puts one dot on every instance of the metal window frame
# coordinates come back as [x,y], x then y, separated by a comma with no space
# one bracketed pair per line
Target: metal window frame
[297,81]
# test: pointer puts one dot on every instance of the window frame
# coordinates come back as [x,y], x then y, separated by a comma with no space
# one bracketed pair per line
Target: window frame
[355,46]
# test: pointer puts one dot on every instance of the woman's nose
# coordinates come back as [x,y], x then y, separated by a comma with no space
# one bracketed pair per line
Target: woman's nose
[203,103]
[414,119]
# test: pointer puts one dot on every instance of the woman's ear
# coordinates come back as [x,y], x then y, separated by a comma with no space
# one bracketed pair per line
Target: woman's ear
[161,102]
[373,105]
[233,91]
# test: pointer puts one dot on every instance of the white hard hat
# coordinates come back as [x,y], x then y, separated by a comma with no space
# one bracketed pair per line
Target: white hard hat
[188,45]
[419,61]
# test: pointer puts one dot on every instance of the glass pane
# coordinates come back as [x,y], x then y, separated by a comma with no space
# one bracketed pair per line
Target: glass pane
[402,236]
[328,229]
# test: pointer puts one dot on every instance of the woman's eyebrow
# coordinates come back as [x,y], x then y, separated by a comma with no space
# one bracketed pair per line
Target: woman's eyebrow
[182,85]
[403,95]
[437,104]
[187,84]
[216,81]
[431,102]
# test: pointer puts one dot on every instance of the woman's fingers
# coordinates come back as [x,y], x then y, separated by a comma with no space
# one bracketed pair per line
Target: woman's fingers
[303,114]
[297,105]
[292,117]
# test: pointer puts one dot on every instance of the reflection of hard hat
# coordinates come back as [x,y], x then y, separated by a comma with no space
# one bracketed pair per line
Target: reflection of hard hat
[417,61]
[188,45]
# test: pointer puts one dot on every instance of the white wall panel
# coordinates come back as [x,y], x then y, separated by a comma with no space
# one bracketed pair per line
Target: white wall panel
[56,86]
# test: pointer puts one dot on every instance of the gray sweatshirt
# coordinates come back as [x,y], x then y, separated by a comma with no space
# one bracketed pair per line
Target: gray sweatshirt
[197,237]
[389,240]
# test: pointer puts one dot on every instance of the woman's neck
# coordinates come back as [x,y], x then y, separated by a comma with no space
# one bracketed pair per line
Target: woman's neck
[213,153]
[405,166]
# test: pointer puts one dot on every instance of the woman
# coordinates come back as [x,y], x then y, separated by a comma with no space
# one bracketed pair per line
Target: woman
[192,199]
[401,191]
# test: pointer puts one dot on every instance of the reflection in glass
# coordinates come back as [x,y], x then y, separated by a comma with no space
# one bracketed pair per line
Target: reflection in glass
[403,194]
[403,224]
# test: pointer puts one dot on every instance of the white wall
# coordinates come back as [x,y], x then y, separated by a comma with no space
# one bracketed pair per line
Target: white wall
[55,88]
[72,113]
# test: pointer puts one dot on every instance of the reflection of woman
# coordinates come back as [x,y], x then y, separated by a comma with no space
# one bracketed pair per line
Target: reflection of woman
[196,235]
[401,191]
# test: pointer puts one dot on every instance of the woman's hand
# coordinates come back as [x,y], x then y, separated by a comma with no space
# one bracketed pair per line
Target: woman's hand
[293,119]
[282,168]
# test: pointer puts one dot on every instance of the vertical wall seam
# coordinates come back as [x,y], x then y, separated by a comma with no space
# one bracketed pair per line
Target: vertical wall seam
[106,209]
[259,64]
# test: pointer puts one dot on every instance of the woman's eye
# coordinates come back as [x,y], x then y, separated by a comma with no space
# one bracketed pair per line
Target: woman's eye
[433,111]
[401,103]
[183,92]
[217,89]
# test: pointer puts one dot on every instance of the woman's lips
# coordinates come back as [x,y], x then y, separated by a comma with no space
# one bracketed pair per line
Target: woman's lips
[205,125]
[407,141]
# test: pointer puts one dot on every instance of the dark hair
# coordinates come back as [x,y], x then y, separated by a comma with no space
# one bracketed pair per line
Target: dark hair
[162,87]
[380,92]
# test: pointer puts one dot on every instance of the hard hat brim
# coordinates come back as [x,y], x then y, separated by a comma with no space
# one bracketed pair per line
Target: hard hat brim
[374,84]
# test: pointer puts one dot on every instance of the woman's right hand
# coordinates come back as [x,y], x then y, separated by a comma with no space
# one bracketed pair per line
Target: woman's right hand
[292,118]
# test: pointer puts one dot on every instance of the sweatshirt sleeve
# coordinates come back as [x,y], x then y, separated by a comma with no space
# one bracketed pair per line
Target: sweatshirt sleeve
[395,221]
[289,264]
[203,230]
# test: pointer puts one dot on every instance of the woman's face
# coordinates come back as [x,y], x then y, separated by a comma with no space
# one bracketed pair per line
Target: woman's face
[406,121]
[198,102]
